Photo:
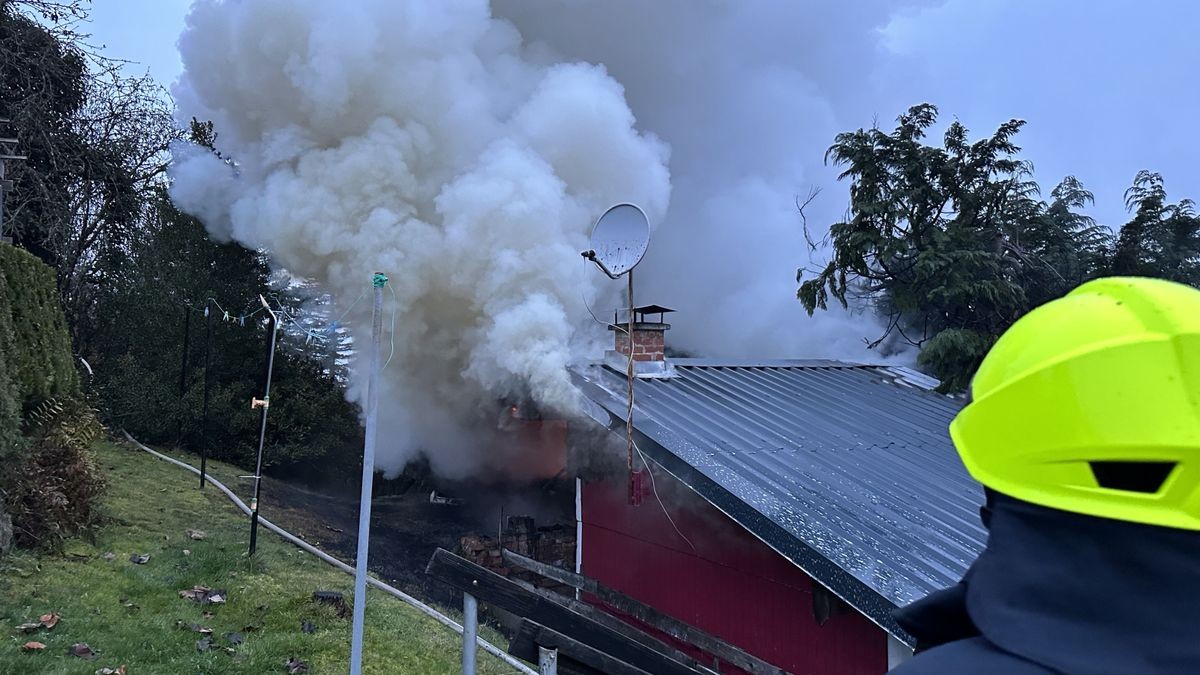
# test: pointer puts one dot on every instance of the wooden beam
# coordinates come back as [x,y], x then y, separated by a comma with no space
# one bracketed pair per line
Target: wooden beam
[508,595]
[648,615]
[575,658]
[611,622]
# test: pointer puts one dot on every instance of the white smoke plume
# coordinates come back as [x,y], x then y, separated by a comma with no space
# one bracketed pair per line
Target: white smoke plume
[748,94]
[417,139]
[466,149]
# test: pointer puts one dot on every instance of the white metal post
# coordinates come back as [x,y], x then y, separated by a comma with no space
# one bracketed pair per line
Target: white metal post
[265,404]
[547,661]
[578,531]
[368,476]
[470,633]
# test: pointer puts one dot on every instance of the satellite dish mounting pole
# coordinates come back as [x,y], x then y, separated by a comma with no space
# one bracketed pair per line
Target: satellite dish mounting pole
[619,242]
[629,375]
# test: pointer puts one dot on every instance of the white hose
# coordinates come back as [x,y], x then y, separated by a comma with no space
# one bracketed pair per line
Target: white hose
[387,588]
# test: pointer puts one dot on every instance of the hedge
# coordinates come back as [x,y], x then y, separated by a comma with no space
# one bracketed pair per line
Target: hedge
[39,361]
[10,408]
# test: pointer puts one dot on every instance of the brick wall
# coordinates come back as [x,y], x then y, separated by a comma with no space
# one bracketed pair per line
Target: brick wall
[648,345]
[554,545]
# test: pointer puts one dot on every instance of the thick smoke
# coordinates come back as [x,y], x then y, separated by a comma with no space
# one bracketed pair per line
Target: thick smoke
[416,139]
[466,150]
[748,93]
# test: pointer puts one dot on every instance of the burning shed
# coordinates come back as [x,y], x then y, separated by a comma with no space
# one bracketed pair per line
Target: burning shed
[803,502]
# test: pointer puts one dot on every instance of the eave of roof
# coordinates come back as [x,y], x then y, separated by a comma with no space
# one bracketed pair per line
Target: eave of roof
[844,469]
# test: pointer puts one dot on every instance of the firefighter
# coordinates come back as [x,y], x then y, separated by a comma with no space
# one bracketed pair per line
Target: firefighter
[1084,429]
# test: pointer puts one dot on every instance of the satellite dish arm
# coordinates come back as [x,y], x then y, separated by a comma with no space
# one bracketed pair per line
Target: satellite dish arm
[591,255]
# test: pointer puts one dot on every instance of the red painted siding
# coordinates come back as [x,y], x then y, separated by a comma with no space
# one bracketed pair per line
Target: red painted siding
[725,582]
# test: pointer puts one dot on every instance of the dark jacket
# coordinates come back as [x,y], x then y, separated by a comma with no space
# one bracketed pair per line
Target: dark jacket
[1058,592]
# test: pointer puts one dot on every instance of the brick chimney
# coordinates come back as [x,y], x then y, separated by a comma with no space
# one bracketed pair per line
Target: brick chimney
[645,337]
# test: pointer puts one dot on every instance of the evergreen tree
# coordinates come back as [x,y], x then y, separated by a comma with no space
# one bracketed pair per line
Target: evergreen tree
[1161,239]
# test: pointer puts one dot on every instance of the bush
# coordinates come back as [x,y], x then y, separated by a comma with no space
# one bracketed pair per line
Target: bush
[11,441]
[41,362]
[53,493]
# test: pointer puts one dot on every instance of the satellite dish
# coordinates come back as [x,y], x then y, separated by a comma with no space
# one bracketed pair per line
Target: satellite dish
[619,240]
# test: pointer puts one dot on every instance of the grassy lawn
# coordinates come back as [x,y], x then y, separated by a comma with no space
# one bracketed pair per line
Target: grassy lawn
[128,613]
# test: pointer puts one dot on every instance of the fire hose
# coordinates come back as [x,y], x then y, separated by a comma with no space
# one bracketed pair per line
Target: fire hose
[387,588]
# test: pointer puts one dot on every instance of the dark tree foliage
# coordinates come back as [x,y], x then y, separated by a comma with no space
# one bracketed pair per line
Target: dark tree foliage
[929,231]
[91,202]
[953,243]
[43,86]
[96,143]
[173,269]
[1161,239]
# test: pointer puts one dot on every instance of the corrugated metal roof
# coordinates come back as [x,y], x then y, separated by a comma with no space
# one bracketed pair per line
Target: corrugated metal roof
[846,469]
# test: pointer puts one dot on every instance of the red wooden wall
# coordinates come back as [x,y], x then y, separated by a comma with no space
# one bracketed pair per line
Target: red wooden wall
[731,584]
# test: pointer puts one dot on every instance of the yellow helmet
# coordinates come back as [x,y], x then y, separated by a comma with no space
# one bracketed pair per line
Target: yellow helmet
[1091,404]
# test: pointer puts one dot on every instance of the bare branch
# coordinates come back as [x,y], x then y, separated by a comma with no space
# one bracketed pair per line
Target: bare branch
[800,206]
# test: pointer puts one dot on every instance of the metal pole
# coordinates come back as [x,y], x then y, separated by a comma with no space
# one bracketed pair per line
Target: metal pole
[2,182]
[629,375]
[7,148]
[263,403]
[368,477]
[470,632]
[547,661]
[187,333]
[207,386]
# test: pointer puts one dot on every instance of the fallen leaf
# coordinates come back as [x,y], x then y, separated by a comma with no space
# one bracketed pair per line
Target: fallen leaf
[205,595]
[49,620]
[204,645]
[139,559]
[235,638]
[207,615]
[81,650]
[186,552]
[29,627]
[109,556]
[307,627]
[233,574]
[295,665]
[30,646]
[195,534]
[111,671]
[194,627]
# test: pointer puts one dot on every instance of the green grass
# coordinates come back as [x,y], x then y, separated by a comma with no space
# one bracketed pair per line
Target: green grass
[127,613]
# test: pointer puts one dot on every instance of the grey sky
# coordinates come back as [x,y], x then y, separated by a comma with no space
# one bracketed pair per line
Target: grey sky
[143,31]
[1108,87]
